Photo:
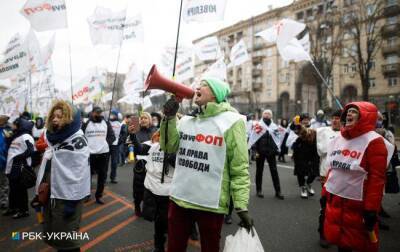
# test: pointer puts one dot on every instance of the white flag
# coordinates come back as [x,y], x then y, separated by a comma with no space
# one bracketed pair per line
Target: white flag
[216,70]
[296,50]
[184,67]
[147,102]
[203,10]
[131,99]
[106,26]
[208,49]
[88,88]
[34,52]
[284,35]
[133,80]
[133,29]
[45,15]
[239,53]
[167,58]
[16,58]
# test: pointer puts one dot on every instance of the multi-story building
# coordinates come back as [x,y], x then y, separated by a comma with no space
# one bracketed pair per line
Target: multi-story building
[267,81]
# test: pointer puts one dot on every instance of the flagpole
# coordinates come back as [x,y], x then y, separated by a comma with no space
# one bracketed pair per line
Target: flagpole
[70,59]
[177,40]
[30,90]
[327,86]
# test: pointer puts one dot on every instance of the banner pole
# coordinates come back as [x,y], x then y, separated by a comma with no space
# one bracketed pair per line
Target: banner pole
[30,89]
[327,86]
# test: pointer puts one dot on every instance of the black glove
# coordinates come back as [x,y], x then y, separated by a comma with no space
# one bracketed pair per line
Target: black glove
[246,221]
[171,107]
[370,219]
[70,208]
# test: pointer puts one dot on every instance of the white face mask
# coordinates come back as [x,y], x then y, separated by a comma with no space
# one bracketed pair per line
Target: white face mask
[155,124]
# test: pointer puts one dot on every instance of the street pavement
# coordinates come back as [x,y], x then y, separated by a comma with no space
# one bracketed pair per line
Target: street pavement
[288,225]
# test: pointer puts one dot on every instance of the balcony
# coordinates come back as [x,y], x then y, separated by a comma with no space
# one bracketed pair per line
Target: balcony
[390,29]
[389,48]
[257,85]
[391,8]
[256,72]
[391,69]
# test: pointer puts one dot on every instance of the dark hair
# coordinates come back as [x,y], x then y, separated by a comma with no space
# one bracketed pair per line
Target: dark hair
[304,116]
[337,113]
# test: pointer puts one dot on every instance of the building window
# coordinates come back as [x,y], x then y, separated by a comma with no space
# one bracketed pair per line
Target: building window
[371,9]
[284,63]
[239,36]
[372,65]
[371,82]
[300,15]
[392,81]
[391,41]
[391,3]
[353,67]
[392,20]
[269,80]
[269,65]
[345,68]
[392,59]
[269,52]
[269,93]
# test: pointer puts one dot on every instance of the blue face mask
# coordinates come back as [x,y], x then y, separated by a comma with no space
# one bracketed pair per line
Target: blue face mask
[379,124]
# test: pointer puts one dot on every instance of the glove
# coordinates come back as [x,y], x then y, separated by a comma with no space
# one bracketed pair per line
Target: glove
[246,221]
[370,219]
[171,107]
[69,208]
[35,202]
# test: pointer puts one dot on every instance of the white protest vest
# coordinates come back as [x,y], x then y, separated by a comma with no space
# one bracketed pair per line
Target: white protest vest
[277,135]
[200,159]
[346,177]
[70,171]
[154,167]
[17,147]
[116,126]
[325,135]
[96,134]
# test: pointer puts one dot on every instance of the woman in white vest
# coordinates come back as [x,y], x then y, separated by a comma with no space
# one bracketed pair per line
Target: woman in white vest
[357,161]
[157,185]
[65,167]
[100,137]
[19,155]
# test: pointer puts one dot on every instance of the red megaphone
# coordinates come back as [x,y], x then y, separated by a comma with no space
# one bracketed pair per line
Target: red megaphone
[155,80]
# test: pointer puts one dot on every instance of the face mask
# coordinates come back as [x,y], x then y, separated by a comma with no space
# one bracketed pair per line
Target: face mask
[267,121]
[379,124]
[155,124]
[97,118]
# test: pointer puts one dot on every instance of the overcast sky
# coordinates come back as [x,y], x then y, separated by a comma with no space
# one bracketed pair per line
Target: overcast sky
[160,18]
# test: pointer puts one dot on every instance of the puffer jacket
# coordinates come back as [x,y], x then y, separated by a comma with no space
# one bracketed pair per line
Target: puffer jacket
[235,177]
[344,224]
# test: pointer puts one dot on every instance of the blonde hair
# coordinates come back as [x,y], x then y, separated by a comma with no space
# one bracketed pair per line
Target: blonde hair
[67,114]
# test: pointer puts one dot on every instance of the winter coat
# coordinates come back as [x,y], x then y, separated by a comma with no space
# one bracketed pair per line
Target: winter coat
[344,225]
[235,177]
[139,169]
[305,155]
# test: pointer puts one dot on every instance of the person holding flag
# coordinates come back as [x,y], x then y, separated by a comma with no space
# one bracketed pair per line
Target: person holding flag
[211,166]
[267,140]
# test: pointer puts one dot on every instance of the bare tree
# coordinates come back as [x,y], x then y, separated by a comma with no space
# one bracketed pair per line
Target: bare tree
[326,36]
[362,23]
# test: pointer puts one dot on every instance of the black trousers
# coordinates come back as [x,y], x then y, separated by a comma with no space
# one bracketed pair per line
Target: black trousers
[301,179]
[271,159]
[17,196]
[99,163]
[160,209]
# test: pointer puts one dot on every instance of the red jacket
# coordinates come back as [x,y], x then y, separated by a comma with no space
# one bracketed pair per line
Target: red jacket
[343,224]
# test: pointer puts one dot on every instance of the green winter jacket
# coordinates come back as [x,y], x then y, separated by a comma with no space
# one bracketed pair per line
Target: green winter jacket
[235,178]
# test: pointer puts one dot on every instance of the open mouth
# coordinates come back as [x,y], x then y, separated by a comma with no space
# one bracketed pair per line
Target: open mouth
[198,94]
